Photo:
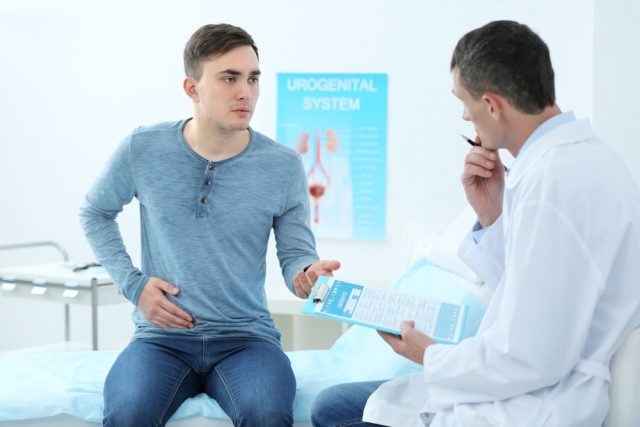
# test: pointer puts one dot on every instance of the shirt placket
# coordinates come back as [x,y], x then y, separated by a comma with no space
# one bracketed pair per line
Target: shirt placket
[202,204]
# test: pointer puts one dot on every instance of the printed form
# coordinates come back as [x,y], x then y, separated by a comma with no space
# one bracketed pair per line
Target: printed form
[385,309]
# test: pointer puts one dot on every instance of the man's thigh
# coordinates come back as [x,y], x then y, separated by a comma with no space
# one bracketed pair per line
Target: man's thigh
[147,384]
[255,385]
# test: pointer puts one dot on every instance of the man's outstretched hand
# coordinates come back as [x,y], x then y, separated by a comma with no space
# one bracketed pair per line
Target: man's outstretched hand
[304,281]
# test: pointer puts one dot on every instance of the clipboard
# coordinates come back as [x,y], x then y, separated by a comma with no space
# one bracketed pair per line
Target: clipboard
[384,309]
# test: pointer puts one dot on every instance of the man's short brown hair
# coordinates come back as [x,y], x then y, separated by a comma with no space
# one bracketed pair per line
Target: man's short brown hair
[210,41]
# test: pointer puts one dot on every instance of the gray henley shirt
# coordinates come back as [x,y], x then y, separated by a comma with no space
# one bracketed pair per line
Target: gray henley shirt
[204,227]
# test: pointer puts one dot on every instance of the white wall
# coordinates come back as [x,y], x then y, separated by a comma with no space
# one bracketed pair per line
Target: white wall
[76,76]
[616,91]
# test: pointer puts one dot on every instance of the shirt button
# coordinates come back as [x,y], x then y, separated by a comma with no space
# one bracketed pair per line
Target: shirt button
[204,200]
[207,182]
[211,166]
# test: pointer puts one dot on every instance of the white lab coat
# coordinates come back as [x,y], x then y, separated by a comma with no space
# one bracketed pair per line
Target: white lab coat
[563,261]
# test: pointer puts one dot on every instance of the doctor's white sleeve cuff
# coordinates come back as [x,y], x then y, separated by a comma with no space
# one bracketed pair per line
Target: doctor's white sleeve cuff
[478,232]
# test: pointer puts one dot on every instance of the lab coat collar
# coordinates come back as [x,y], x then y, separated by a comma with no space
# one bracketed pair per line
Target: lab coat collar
[569,133]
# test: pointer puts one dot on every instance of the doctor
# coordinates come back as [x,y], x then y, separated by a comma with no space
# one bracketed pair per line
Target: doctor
[557,239]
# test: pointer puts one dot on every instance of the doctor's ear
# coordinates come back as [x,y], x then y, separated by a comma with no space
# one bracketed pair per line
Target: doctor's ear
[190,86]
[494,104]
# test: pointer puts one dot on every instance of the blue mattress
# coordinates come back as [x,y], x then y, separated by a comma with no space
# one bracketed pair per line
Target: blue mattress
[49,384]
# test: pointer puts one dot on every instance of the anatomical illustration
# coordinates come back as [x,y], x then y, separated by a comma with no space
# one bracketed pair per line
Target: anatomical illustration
[318,177]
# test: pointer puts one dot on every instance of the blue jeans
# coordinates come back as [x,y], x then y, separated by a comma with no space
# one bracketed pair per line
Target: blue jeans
[251,379]
[342,405]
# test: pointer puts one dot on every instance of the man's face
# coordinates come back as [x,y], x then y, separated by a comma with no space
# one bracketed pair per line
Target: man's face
[477,111]
[228,89]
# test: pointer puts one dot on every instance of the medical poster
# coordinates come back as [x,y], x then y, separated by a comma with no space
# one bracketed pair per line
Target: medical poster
[338,125]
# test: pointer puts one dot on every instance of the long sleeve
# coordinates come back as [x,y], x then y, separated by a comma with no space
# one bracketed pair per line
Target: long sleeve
[113,189]
[486,258]
[295,242]
[546,302]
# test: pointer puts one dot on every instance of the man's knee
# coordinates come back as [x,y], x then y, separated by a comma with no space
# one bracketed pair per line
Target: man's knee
[129,404]
[267,407]
[266,416]
[129,409]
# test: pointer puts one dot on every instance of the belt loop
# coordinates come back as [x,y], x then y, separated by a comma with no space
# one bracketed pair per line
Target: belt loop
[593,368]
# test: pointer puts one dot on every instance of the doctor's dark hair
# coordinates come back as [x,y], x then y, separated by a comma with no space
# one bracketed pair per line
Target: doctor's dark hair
[211,41]
[509,59]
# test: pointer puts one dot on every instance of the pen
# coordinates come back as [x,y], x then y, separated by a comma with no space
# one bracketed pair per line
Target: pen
[470,141]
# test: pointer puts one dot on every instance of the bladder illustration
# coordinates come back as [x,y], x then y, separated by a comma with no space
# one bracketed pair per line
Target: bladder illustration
[318,177]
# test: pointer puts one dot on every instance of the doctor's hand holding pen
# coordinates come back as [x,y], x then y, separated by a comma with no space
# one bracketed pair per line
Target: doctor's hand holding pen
[483,181]
[410,344]
[303,281]
[158,309]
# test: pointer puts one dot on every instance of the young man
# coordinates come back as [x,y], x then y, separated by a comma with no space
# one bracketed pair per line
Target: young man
[210,190]
[557,239]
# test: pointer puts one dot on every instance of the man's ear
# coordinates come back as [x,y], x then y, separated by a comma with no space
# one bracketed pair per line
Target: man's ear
[494,104]
[190,87]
